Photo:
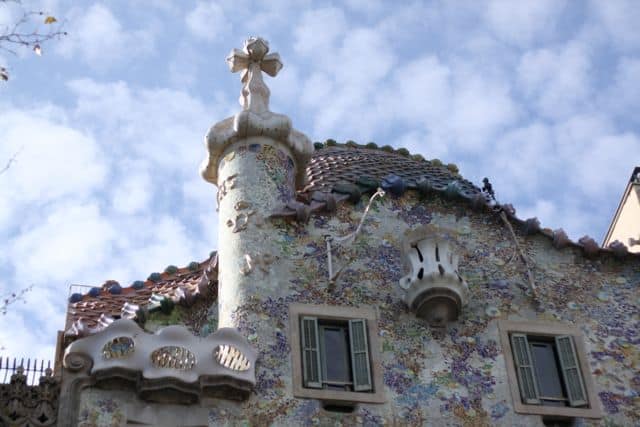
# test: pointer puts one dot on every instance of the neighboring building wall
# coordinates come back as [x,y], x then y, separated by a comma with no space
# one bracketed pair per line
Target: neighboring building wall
[625,226]
[455,377]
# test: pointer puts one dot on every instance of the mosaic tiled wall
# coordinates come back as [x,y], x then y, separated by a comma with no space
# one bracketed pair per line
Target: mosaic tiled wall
[453,378]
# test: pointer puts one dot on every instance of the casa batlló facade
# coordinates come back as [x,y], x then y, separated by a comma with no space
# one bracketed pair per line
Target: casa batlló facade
[357,285]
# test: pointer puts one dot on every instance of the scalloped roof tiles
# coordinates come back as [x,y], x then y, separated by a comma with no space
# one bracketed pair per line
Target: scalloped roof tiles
[91,312]
[332,165]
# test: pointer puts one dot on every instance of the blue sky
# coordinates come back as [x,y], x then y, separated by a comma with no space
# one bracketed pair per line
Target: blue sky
[540,96]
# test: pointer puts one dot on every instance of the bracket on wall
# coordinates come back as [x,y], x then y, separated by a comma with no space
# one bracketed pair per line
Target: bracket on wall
[433,289]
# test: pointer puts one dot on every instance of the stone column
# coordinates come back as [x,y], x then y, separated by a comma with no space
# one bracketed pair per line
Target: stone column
[255,159]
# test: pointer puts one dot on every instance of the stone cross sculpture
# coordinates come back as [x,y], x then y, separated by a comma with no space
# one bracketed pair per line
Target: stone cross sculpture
[255,120]
[251,60]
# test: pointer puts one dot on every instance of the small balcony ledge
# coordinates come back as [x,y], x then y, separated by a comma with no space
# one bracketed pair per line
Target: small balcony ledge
[170,366]
[433,289]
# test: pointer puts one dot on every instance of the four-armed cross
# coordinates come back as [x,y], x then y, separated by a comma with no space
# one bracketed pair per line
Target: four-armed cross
[251,60]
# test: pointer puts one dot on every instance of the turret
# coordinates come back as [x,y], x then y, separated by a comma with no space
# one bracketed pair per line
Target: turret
[255,158]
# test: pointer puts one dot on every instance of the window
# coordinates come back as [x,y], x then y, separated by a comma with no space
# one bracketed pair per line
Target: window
[547,368]
[337,355]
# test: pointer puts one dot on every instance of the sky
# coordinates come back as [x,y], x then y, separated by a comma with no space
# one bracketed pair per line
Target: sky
[107,126]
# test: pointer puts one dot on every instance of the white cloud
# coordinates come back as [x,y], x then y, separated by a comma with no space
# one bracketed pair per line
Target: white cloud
[558,81]
[90,211]
[525,159]
[53,160]
[623,94]
[365,57]
[183,69]
[208,21]
[424,82]
[524,22]
[34,325]
[163,126]
[318,32]
[481,107]
[584,153]
[366,7]
[62,243]
[619,19]
[133,194]
[9,13]
[350,67]
[316,90]
[100,39]
[285,88]
[593,146]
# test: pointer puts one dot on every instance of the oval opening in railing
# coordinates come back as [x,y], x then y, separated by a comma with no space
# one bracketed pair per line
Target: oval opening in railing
[231,358]
[173,357]
[118,347]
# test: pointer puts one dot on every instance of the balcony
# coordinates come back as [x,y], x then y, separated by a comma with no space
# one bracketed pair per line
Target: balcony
[433,289]
[170,366]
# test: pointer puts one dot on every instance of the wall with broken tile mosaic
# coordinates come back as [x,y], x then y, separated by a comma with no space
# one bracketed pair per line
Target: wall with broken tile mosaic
[456,376]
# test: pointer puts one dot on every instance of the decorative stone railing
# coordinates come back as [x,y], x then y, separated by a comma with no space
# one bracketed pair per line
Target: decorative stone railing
[433,289]
[25,403]
[170,366]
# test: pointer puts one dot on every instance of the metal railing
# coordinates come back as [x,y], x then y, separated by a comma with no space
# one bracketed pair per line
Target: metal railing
[33,370]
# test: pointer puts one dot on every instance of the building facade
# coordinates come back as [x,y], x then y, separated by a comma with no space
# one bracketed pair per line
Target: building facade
[357,285]
[625,225]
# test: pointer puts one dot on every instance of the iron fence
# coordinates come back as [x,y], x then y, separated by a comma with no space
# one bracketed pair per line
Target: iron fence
[33,369]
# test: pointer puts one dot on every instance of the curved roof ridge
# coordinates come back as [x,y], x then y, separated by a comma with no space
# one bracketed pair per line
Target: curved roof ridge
[340,172]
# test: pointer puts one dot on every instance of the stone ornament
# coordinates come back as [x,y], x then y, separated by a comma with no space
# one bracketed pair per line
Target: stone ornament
[229,183]
[433,289]
[241,221]
[118,347]
[23,405]
[263,262]
[172,358]
[232,358]
[255,119]
[253,59]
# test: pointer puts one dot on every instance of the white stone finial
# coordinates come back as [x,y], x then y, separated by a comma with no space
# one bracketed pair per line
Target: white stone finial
[252,60]
[255,119]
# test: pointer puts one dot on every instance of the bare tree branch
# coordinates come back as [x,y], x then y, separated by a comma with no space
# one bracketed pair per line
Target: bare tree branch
[26,33]
[11,161]
[12,298]
[16,36]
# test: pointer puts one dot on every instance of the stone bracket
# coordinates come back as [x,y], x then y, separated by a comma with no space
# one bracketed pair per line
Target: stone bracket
[433,289]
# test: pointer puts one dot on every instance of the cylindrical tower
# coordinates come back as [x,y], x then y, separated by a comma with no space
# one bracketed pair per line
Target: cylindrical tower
[255,159]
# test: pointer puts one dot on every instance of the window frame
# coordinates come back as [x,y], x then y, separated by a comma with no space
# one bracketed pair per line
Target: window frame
[548,330]
[329,313]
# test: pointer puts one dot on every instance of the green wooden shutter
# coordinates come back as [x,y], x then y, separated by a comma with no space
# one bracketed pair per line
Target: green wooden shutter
[310,352]
[524,369]
[571,371]
[360,355]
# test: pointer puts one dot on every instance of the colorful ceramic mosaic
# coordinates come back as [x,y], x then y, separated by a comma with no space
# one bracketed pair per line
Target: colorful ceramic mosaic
[431,377]
[98,410]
